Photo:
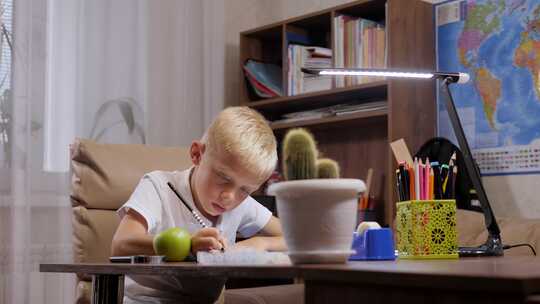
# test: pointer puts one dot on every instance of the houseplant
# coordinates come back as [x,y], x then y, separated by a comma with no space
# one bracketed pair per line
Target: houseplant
[317,215]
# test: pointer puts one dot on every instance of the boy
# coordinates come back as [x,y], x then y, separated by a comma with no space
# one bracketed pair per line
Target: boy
[235,156]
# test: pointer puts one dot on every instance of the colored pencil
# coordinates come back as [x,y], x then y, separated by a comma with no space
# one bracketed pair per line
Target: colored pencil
[431,184]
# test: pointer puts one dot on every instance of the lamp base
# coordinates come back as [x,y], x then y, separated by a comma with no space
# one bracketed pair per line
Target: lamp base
[492,247]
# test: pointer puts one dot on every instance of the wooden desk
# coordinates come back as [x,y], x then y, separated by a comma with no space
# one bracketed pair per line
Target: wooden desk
[467,280]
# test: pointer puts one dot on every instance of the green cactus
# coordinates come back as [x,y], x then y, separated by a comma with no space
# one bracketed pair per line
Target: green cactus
[327,168]
[299,155]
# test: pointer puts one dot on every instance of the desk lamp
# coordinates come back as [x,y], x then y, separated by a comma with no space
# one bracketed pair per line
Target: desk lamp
[493,245]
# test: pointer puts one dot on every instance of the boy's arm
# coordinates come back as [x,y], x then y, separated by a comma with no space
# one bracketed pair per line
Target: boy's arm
[131,236]
[269,238]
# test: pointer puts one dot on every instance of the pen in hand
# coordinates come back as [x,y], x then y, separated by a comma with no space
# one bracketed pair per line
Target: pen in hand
[193,212]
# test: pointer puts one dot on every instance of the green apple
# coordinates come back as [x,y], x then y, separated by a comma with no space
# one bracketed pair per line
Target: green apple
[174,243]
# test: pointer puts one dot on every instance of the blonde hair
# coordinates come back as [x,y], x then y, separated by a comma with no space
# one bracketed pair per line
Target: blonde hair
[244,133]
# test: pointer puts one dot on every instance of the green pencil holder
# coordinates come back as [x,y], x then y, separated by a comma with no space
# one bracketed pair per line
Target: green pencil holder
[427,229]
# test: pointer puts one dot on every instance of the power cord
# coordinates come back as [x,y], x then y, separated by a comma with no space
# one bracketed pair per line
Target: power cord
[520,245]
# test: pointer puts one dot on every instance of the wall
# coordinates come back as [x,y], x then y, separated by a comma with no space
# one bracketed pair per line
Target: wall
[185,69]
[509,195]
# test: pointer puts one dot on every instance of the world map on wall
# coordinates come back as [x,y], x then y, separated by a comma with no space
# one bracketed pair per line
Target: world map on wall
[497,43]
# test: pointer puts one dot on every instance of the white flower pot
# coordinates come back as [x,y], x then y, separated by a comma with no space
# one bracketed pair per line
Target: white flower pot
[318,217]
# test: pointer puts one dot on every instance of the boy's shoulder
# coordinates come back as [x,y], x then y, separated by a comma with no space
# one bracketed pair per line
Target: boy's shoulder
[161,177]
[161,173]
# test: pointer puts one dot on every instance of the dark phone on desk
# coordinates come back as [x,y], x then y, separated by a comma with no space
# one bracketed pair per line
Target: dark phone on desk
[130,259]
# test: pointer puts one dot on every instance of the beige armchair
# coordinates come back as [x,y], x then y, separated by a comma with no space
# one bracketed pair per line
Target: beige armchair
[103,178]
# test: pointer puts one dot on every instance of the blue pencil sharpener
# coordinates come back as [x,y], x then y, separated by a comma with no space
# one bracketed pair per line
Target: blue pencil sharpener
[373,244]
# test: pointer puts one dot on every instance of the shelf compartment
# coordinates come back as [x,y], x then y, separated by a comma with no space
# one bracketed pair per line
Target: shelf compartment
[313,31]
[263,45]
[374,9]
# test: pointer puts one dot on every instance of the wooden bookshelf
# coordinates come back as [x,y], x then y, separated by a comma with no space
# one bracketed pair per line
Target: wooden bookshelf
[358,141]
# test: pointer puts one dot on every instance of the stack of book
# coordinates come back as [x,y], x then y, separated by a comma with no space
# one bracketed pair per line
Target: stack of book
[336,110]
[300,56]
[264,78]
[360,43]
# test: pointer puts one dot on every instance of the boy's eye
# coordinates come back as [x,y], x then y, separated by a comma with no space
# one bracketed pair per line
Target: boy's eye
[222,177]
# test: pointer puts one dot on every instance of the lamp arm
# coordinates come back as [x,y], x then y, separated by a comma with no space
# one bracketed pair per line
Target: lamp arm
[474,173]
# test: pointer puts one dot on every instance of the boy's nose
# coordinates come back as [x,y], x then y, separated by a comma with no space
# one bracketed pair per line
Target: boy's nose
[227,196]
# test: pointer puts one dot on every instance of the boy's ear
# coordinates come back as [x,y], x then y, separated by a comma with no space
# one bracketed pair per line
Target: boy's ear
[196,152]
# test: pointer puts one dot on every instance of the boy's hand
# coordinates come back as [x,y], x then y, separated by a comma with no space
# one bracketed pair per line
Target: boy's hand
[270,238]
[257,243]
[207,239]
[268,243]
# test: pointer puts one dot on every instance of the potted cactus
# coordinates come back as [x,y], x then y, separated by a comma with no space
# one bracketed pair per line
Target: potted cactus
[317,209]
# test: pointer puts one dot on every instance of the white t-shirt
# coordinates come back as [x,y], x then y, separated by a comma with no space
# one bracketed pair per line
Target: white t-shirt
[157,203]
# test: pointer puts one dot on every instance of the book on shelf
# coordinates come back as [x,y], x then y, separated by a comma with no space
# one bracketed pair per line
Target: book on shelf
[259,89]
[303,115]
[336,110]
[264,78]
[346,109]
[300,56]
[359,43]
[316,51]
